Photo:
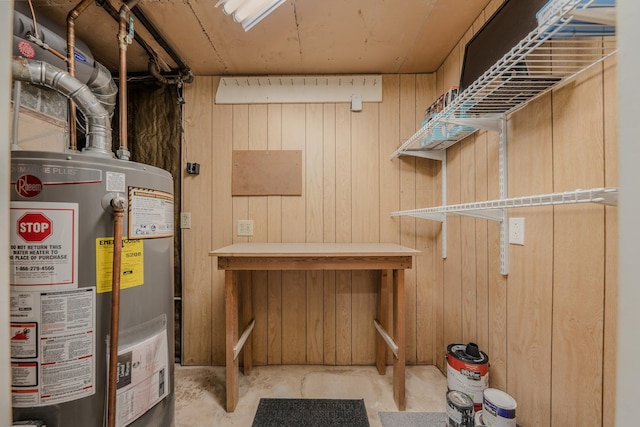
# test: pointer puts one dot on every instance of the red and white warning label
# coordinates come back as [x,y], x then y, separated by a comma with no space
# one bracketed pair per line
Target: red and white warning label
[44,245]
[52,346]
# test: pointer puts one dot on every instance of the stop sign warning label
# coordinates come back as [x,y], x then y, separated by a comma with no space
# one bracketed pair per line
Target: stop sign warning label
[44,245]
[34,227]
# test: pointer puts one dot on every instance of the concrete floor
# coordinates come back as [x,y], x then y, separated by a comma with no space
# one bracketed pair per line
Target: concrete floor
[200,391]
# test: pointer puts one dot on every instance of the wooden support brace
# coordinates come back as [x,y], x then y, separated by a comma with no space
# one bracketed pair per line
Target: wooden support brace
[386,337]
[243,339]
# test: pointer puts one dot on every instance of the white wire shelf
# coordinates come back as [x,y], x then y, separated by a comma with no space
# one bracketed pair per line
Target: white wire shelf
[493,209]
[559,49]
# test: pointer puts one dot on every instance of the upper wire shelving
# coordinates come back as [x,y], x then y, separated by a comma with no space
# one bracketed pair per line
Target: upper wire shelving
[572,36]
[568,41]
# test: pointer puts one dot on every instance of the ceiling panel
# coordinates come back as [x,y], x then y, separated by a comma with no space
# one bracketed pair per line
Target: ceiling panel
[299,37]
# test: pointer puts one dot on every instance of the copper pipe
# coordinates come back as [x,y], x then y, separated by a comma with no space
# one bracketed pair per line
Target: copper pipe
[71,65]
[52,50]
[117,204]
[33,18]
[43,45]
[123,41]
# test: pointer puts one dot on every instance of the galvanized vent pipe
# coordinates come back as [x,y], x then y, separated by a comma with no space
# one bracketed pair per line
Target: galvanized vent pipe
[98,123]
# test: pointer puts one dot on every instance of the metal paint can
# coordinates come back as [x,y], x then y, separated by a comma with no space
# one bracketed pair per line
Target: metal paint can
[459,409]
[468,371]
[498,409]
[478,420]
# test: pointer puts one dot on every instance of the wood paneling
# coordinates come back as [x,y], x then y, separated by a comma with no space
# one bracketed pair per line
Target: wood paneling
[343,232]
[611,243]
[453,263]
[427,194]
[468,242]
[221,229]
[365,220]
[389,170]
[409,119]
[329,232]
[197,199]
[578,291]
[497,304]
[294,300]
[274,234]
[482,254]
[530,284]
[314,228]
[258,142]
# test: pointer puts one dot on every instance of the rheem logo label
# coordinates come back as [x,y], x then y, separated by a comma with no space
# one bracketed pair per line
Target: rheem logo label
[34,227]
[28,186]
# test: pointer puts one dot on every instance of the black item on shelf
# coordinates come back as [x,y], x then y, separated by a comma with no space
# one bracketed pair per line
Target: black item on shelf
[506,28]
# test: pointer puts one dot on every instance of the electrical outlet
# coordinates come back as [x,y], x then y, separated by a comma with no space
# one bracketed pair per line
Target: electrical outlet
[185,219]
[245,227]
[516,231]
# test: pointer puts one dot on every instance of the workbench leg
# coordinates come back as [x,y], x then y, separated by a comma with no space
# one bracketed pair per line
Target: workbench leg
[247,317]
[386,277]
[231,325]
[399,337]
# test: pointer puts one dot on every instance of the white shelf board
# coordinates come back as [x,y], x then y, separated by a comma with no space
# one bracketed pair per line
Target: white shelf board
[493,209]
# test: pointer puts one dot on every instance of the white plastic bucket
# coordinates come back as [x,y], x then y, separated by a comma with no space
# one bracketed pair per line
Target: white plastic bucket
[498,409]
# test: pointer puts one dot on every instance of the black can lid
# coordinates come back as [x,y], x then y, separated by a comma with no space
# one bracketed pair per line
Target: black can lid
[468,353]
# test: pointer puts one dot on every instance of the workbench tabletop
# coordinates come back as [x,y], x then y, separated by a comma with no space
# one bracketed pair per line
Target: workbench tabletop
[313,249]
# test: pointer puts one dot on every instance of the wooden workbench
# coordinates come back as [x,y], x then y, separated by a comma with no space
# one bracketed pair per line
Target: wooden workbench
[389,258]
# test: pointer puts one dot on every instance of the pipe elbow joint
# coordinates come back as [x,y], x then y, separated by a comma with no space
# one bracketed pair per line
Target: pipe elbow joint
[118,203]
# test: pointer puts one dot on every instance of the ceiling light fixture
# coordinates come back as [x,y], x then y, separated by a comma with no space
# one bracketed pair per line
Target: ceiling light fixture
[249,12]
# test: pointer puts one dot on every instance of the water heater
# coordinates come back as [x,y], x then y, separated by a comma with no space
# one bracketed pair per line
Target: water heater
[61,265]
[65,233]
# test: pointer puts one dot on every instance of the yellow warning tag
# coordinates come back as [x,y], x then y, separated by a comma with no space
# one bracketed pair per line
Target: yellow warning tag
[131,270]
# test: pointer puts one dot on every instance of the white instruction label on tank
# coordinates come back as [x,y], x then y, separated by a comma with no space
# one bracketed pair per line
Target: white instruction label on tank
[116,182]
[150,213]
[143,377]
[52,346]
[44,245]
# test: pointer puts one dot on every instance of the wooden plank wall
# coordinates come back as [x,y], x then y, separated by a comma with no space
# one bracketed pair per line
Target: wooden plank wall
[350,187]
[548,327]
